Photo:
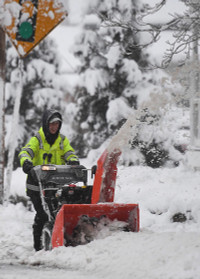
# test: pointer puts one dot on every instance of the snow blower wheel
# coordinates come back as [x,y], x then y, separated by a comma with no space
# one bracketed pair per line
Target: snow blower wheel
[46,236]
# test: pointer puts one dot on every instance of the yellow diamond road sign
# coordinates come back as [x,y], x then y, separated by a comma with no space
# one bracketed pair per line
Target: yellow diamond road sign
[34,20]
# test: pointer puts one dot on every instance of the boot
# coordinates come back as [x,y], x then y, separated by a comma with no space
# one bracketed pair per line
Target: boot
[37,243]
[37,230]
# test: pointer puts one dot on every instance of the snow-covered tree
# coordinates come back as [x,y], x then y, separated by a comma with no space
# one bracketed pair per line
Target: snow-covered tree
[184,27]
[43,87]
[114,83]
[108,75]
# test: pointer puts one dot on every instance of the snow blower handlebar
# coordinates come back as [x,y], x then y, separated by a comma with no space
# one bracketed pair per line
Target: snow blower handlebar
[37,170]
[54,178]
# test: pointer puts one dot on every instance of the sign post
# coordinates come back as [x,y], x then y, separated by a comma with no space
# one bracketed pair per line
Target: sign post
[193,154]
[2,109]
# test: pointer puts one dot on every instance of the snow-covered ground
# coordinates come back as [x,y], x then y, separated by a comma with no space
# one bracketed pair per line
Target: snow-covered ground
[161,250]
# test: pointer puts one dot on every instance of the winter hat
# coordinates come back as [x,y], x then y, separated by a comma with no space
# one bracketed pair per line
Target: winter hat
[54,116]
[48,116]
[54,119]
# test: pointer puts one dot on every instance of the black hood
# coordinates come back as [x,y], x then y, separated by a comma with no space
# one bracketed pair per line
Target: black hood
[47,116]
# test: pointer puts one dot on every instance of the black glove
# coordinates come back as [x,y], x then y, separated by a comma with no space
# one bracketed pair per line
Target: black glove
[27,166]
[73,162]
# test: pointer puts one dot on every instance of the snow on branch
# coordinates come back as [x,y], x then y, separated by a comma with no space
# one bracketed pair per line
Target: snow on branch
[185,28]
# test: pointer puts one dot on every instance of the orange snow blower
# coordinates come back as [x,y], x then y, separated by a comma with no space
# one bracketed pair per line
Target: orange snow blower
[77,212]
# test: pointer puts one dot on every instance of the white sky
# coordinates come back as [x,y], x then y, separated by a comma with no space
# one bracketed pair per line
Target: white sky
[171,7]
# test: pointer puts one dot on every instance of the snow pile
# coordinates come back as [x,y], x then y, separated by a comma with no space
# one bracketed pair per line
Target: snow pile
[90,228]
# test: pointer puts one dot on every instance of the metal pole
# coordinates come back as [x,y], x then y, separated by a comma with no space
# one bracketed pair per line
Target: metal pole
[194,150]
[195,96]
[2,109]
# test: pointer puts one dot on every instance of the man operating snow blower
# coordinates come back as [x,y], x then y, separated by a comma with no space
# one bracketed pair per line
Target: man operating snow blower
[48,146]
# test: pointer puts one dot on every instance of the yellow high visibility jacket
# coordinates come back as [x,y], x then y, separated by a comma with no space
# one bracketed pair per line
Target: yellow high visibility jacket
[60,152]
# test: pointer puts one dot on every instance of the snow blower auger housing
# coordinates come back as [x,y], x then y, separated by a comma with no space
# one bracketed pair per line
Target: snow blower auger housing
[78,211]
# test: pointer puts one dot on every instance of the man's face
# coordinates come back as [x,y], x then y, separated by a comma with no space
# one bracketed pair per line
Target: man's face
[53,127]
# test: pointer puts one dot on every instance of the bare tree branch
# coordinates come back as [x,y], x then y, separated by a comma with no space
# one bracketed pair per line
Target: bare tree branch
[182,26]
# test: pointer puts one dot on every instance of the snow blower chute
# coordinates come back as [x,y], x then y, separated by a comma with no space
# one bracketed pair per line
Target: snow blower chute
[78,211]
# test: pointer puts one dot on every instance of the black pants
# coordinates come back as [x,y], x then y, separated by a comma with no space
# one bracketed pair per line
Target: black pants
[40,218]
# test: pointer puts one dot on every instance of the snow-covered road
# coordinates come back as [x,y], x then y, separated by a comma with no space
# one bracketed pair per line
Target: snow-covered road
[125,255]
[17,271]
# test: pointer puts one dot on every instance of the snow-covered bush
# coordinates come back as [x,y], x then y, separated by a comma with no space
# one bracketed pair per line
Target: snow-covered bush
[157,140]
